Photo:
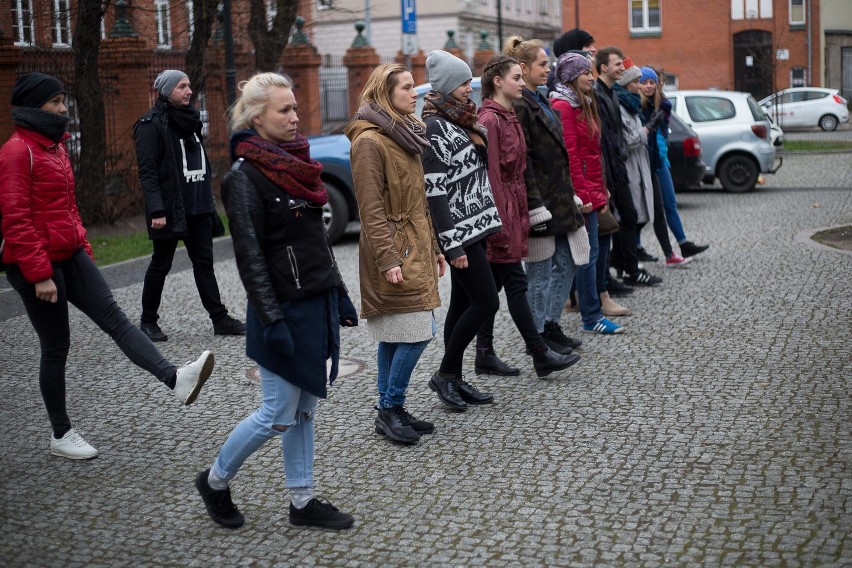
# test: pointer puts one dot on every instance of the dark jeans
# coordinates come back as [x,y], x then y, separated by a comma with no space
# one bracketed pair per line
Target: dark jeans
[602,264]
[473,302]
[199,247]
[512,277]
[624,248]
[79,282]
[661,228]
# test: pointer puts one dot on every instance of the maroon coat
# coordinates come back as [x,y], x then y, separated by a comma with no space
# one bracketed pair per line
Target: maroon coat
[41,223]
[507,160]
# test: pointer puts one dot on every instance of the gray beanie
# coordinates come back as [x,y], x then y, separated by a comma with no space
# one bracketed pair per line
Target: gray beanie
[630,74]
[168,80]
[446,71]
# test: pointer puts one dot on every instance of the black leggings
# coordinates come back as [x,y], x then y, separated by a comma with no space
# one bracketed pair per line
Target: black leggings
[661,228]
[79,282]
[473,302]
[512,277]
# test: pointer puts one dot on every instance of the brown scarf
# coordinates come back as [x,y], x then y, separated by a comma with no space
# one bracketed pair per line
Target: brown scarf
[461,114]
[410,135]
[288,165]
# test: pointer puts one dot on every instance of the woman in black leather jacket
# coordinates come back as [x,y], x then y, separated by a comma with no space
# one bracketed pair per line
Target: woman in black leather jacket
[296,297]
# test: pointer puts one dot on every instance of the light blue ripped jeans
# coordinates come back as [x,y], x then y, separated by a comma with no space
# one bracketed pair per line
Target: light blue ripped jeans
[286,412]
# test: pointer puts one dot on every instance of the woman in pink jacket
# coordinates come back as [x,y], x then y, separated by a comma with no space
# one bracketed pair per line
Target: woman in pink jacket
[502,83]
[49,262]
[581,129]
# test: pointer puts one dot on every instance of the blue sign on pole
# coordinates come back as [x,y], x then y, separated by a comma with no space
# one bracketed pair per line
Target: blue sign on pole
[409,17]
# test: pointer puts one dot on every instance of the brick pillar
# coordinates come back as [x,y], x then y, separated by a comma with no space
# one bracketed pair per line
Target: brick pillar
[301,61]
[418,65]
[360,60]
[10,57]
[483,53]
[125,60]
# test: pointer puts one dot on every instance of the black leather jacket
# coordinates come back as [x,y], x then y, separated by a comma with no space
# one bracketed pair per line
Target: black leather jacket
[280,244]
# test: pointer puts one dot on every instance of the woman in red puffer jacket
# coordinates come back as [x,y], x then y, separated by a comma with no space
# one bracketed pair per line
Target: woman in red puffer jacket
[574,99]
[49,262]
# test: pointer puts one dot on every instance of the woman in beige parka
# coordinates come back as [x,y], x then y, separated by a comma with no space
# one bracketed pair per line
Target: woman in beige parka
[400,261]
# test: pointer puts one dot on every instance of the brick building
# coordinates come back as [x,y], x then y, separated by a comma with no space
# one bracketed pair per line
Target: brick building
[756,46]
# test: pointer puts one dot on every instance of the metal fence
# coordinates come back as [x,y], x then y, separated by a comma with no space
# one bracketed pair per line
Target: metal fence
[334,94]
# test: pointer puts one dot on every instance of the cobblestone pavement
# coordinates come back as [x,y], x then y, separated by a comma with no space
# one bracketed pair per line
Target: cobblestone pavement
[715,432]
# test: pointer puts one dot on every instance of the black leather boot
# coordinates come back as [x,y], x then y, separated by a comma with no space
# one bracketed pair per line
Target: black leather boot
[546,361]
[471,395]
[447,390]
[488,363]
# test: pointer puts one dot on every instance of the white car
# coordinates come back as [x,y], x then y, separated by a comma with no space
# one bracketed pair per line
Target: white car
[735,135]
[807,106]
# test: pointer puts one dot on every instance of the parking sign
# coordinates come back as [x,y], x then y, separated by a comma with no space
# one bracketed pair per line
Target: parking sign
[409,17]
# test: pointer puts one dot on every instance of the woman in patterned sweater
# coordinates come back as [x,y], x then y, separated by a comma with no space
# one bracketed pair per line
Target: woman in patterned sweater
[463,214]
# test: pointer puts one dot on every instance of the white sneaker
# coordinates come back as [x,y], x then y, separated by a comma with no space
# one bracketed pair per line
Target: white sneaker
[72,446]
[191,377]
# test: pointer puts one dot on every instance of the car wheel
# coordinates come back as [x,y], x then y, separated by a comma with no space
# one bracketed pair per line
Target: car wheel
[738,173]
[335,213]
[828,122]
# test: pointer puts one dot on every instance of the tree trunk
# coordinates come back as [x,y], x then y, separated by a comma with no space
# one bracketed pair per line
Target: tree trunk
[269,43]
[204,12]
[88,95]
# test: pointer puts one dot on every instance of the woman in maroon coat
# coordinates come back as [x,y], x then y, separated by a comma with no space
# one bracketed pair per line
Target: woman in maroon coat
[49,262]
[507,157]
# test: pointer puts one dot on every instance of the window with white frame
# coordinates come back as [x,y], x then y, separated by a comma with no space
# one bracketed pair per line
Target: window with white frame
[325,4]
[645,15]
[22,21]
[61,23]
[190,18]
[797,12]
[164,24]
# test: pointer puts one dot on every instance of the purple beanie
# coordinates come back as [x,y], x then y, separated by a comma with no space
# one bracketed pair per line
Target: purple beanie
[569,66]
[648,73]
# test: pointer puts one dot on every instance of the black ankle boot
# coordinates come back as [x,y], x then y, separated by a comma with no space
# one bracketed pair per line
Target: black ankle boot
[448,391]
[488,363]
[547,361]
[472,395]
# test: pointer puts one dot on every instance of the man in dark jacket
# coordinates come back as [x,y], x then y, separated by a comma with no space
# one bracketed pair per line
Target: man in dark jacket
[609,62]
[175,176]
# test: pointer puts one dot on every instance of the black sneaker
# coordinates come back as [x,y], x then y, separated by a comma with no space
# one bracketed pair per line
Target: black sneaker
[642,278]
[393,422]
[688,248]
[553,334]
[617,288]
[229,326]
[219,505]
[153,331]
[644,256]
[420,426]
[320,514]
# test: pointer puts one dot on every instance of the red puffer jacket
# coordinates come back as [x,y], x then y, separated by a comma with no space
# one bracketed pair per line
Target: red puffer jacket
[584,155]
[41,223]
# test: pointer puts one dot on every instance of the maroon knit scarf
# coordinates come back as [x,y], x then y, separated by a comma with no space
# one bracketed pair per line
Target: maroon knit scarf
[459,113]
[288,165]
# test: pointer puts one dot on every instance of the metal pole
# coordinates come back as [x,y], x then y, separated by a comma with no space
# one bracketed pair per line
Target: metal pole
[810,46]
[499,24]
[577,14]
[230,67]
[367,21]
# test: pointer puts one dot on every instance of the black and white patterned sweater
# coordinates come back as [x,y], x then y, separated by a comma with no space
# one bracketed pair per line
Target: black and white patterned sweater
[457,189]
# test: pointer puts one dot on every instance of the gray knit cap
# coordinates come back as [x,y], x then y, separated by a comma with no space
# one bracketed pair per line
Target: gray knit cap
[446,71]
[168,80]
[630,74]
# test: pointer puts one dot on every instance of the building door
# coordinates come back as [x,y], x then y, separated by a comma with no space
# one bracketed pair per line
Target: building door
[753,63]
[846,73]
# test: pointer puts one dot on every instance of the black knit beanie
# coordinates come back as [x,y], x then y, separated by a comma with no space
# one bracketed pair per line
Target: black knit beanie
[575,39]
[34,89]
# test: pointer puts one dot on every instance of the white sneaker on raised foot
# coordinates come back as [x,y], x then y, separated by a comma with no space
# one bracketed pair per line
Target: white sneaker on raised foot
[72,446]
[191,377]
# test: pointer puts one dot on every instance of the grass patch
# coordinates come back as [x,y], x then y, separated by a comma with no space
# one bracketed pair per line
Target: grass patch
[816,145]
[109,250]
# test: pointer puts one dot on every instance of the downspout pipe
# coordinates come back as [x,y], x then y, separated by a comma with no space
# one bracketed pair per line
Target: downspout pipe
[810,45]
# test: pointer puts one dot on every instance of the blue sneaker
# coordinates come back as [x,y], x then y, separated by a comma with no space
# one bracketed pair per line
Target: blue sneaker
[604,327]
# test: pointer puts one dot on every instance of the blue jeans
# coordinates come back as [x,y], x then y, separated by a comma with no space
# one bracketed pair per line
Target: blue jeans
[602,272]
[396,363]
[550,284]
[286,412]
[670,203]
[587,289]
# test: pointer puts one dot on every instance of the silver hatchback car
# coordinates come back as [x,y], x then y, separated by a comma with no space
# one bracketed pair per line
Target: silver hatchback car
[735,135]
